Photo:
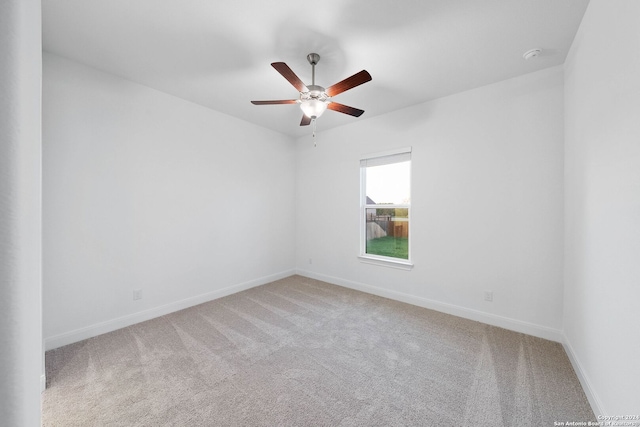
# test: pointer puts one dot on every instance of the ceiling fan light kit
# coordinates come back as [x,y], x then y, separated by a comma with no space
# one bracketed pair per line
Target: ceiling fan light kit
[314,99]
[313,107]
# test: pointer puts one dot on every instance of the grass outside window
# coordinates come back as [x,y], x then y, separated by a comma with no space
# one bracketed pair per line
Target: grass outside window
[390,246]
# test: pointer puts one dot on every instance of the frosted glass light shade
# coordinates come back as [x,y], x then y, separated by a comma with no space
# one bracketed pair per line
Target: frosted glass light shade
[313,108]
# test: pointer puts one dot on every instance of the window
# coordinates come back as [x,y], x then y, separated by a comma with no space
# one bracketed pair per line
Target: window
[385,208]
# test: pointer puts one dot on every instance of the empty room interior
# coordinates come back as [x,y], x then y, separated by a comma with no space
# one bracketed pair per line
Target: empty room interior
[448,233]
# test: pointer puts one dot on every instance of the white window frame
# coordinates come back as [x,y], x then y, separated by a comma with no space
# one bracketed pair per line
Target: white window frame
[403,264]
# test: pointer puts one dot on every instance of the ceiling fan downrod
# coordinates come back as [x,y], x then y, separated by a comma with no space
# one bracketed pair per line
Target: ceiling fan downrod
[313,59]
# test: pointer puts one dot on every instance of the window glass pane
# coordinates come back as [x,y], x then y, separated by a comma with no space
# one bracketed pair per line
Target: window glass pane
[387,232]
[388,184]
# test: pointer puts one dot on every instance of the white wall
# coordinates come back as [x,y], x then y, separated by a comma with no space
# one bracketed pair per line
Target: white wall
[602,181]
[20,213]
[487,203]
[143,190]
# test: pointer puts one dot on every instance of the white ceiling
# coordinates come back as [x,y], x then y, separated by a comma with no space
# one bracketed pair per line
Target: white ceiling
[218,54]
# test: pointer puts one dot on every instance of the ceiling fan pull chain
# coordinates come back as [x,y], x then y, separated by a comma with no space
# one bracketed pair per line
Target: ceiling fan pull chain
[314,133]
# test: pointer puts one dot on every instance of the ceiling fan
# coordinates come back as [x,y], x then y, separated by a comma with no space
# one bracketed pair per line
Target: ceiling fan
[314,99]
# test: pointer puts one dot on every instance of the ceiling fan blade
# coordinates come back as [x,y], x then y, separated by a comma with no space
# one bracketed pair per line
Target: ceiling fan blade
[345,109]
[288,74]
[283,101]
[306,121]
[349,83]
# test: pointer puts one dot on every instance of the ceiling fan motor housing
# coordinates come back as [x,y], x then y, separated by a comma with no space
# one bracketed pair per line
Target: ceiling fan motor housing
[315,92]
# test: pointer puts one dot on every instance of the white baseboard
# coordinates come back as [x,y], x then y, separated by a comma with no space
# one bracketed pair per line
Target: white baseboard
[594,400]
[131,319]
[467,313]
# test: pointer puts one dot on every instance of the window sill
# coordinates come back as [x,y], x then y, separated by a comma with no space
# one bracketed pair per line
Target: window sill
[386,262]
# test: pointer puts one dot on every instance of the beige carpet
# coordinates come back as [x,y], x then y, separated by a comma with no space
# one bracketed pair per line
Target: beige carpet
[299,352]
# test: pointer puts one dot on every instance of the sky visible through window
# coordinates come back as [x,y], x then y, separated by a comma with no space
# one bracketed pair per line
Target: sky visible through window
[389,183]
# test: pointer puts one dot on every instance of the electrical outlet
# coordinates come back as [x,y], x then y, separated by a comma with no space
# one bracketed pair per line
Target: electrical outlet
[488,296]
[137,294]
